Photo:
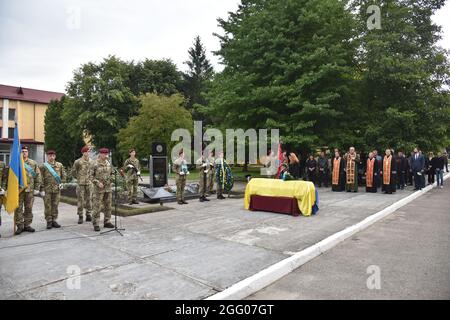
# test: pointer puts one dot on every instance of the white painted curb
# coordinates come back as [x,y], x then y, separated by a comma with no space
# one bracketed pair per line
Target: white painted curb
[265,277]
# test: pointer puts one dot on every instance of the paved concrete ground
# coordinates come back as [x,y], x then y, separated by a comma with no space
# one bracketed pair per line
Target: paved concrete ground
[190,252]
[410,249]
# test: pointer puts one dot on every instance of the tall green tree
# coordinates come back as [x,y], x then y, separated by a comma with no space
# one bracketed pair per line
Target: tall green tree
[67,148]
[403,72]
[197,78]
[157,118]
[288,65]
[101,101]
[155,76]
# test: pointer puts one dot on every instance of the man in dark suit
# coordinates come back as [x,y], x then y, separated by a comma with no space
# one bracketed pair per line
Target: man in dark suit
[418,167]
[402,168]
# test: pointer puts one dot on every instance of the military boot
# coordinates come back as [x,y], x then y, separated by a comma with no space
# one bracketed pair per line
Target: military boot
[28,229]
[19,229]
[88,217]
[56,224]
[49,224]
[80,219]
[108,225]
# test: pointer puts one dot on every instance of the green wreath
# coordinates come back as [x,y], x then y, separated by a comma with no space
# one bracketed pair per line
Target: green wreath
[228,176]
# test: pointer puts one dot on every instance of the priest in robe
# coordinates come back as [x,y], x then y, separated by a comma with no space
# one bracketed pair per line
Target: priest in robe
[351,170]
[337,172]
[371,173]
[389,173]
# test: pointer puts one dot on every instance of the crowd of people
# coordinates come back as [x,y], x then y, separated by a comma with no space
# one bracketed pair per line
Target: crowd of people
[94,191]
[346,171]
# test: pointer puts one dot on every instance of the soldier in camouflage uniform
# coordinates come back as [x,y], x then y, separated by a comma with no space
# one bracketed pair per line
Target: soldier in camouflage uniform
[53,178]
[80,171]
[3,183]
[180,168]
[132,169]
[211,172]
[23,218]
[203,166]
[100,175]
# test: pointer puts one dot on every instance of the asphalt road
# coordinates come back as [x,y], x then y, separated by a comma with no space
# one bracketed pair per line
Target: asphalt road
[405,256]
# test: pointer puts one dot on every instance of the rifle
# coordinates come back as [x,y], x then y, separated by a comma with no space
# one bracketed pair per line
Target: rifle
[136,171]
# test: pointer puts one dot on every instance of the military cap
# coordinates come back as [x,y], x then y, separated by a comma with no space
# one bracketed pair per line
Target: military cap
[104,150]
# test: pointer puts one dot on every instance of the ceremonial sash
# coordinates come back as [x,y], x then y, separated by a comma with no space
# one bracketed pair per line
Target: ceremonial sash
[351,168]
[369,172]
[29,169]
[387,170]
[53,172]
[336,165]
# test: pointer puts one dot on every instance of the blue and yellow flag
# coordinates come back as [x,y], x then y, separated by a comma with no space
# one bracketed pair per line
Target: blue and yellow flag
[17,178]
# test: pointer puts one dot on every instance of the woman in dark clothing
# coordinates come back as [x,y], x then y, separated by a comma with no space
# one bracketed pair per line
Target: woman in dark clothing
[311,167]
[294,165]
[431,168]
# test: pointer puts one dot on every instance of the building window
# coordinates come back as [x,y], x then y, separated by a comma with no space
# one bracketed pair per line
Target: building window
[1,113]
[10,133]
[12,114]
[1,132]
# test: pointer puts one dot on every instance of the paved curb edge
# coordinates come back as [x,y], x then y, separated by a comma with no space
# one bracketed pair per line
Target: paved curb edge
[265,277]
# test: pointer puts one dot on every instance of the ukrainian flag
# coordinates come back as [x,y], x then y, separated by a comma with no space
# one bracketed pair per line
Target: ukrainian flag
[17,178]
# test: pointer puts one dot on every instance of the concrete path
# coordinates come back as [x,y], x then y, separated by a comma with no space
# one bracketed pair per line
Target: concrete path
[191,252]
[404,256]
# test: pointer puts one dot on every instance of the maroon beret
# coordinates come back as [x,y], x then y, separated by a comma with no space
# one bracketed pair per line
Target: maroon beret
[104,150]
[84,149]
[51,152]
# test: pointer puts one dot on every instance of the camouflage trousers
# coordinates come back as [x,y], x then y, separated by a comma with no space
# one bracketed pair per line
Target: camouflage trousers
[203,181]
[132,185]
[181,184]
[84,199]
[23,215]
[51,202]
[210,181]
[102,202]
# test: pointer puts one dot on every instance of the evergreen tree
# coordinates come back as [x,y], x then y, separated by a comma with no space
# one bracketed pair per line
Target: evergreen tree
[198,77]
[288,65]
[403,74]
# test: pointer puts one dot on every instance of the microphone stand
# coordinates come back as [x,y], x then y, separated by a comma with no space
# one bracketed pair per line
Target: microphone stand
[115,208]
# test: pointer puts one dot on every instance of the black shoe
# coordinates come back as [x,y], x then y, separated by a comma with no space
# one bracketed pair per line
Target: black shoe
[80,219]
[19,230]
[201,199]
[28,229]
[49,224]
[221,197]
[135,202]
[88,217]
[55,224]
[96,228]
[184,202]
[108,225]
[130,203]
[205,199]
[180,202]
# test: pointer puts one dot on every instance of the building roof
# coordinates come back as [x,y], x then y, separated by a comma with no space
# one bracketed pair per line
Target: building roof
[25,94]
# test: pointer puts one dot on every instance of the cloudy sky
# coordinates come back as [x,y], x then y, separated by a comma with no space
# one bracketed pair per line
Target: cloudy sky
[43,41]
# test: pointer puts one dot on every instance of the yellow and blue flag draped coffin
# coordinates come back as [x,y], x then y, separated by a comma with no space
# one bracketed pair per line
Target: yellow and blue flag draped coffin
[303,191]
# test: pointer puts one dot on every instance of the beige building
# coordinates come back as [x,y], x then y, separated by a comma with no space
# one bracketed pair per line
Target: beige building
[28,107]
